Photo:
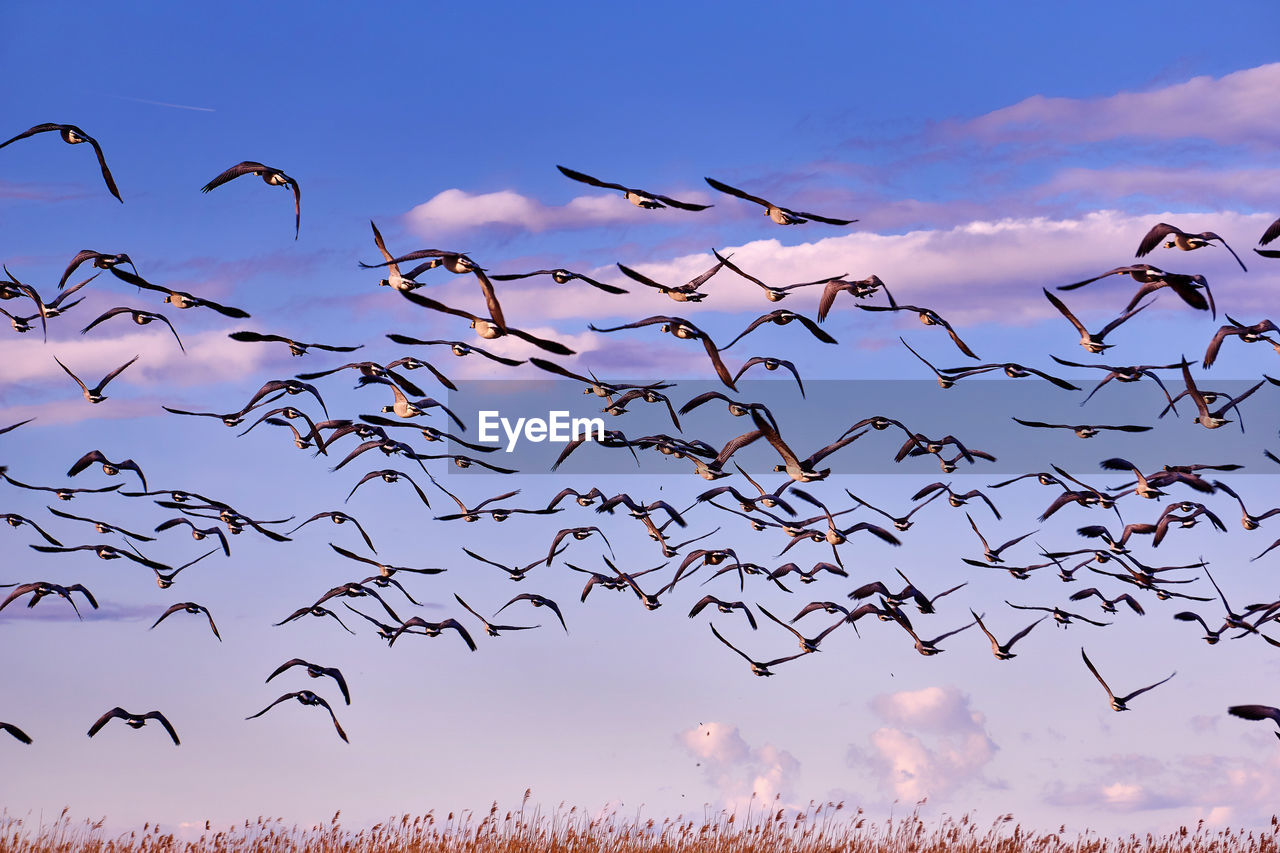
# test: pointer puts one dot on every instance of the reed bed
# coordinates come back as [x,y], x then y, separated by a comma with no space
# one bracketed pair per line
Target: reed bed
[821,828]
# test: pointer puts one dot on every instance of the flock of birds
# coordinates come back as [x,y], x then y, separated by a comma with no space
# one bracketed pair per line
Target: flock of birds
[791,510]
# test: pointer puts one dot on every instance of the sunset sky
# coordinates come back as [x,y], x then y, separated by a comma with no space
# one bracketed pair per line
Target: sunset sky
[987,152]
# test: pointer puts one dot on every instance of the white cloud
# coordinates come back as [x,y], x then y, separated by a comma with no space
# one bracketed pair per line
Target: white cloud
[935,743]
[454,210]
[742,773]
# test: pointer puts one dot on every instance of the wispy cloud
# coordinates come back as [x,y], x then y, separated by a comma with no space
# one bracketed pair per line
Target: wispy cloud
[1216,788]
[1238,108]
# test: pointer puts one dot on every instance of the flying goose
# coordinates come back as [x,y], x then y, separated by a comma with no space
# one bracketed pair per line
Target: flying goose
[1093,343]
[315,671]
[306,697]
[272,177]
[73,135]
[1179,239]
[780,215]
[760,668]
[134,721]
[94,394]
[640,198]
[189,607]
[139,317]
[1119,703]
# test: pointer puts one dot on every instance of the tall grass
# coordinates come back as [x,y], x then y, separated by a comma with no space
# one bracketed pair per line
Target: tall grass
[818,829]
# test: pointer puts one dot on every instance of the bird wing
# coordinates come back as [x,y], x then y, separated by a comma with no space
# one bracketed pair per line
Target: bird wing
[248,167]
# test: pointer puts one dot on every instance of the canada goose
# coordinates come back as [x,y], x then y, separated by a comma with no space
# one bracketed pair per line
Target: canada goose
[94,394]
[1247,519]
[1084,430]
[1119,703]
[1062,617]
[1123,373]
[139,317]
[538,601]
[489,628]
[562,276]
[315,671]
[930,318]
[108,467]
[687,292]
[1002,650]
[306,697]
[314,611]
[15,520]
[770,363]
[272,177]
[1093,343]
[1109,604]
[640,198]
[992,555]
[928,648]
[73,135]
[683,329]
[901,522]
[296,348]
[861,289]
[956,500]
[134,721]
[1206,418]
[760,668]
[101,526]
[103,552]
[578,533]
[384,570]
[63,493]
[1179,239]
[197,533]
[782,317]
[1247,334]
[486,328]
[40,589]
[432,629]
[338,517]
[724,607]
[778,293]
[780,215]
[99,260]
[458,264]
[180,298]
[1187,287]
[193,608]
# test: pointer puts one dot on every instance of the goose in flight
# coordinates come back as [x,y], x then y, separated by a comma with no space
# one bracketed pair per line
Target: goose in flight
[73,135]
[94,394]
[779,214]
[760,668]
[134,721]
[1175,238]
[306,697]
[1119,703]
[315,671]
[139,317]
[271,176]
[193,608]
[640,198]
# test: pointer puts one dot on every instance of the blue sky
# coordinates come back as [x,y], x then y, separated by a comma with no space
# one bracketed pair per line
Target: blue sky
[987,152]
